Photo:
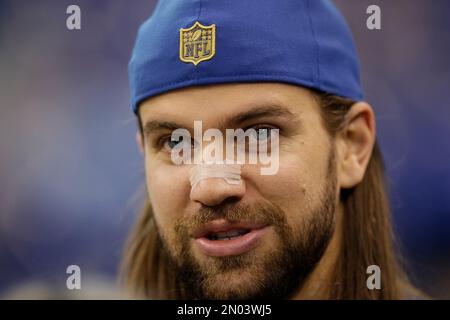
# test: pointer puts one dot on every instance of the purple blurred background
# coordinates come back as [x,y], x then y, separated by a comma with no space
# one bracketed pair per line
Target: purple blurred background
[70,172]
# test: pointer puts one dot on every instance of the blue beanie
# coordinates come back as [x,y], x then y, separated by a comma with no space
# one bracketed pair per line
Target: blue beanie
[195,42]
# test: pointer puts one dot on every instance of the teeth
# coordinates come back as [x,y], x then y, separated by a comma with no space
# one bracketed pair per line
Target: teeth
[227,235]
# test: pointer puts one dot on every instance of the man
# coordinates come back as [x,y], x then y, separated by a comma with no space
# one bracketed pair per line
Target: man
[313,228]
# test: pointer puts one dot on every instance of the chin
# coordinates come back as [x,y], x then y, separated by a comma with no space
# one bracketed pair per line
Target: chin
[237,277]
[234,285]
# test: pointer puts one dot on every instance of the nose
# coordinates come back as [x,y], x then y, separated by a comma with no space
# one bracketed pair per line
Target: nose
[213,191]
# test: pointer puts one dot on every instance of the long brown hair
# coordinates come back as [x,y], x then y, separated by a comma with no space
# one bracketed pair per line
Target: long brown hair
[367,237]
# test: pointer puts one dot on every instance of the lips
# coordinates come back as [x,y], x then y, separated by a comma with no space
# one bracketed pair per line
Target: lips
[219,238]
[227,235]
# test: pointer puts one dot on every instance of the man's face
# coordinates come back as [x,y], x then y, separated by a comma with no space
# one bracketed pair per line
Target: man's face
[288,217]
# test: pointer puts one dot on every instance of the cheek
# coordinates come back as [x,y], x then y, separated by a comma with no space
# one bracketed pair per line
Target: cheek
[289,185]
[300,178]
[168,191]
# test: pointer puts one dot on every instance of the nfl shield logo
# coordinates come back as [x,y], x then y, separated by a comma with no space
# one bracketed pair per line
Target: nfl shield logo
[197,43]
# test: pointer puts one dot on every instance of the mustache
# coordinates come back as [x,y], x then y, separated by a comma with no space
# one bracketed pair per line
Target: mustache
[261,213]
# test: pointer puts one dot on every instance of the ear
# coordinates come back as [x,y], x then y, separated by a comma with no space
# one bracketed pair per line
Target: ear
[140,142]
[355,144]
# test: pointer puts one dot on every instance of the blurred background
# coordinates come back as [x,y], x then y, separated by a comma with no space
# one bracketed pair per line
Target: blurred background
[70,172]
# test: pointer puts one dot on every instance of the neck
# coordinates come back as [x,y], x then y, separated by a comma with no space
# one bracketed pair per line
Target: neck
[317,285]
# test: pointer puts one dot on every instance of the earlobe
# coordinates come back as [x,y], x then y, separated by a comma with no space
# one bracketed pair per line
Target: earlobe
[140,142]
[358,137]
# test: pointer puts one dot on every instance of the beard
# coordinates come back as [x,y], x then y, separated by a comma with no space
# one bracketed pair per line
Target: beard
[277,274]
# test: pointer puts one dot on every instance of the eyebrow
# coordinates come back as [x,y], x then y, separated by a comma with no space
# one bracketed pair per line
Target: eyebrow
[234,121]
[154,125]
[262,112]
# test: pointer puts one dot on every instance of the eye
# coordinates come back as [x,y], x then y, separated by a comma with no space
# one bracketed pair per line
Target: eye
[261,132]
[169,142]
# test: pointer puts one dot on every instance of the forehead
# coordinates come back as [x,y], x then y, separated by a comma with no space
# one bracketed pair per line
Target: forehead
[216,102]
